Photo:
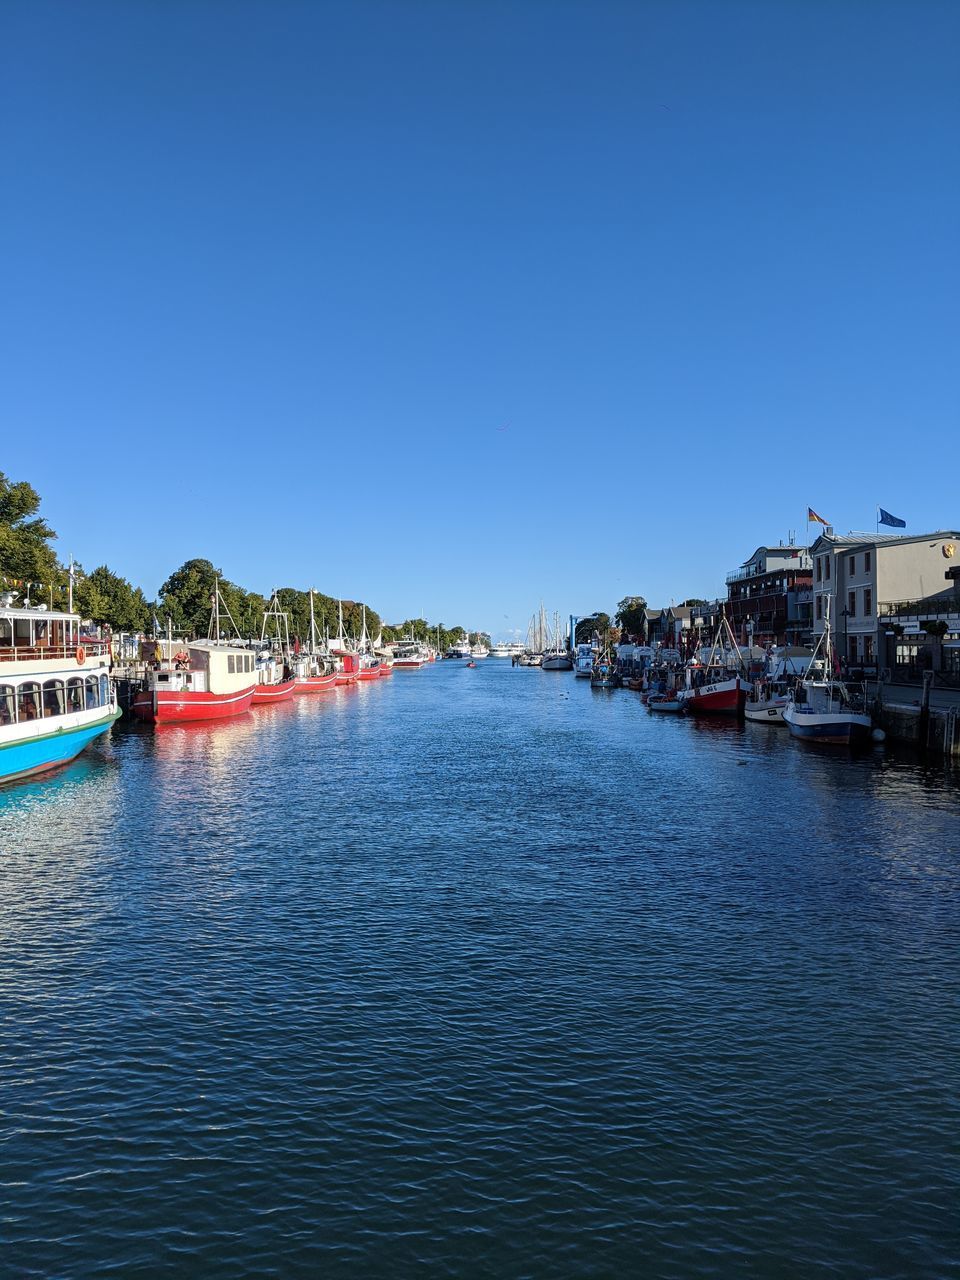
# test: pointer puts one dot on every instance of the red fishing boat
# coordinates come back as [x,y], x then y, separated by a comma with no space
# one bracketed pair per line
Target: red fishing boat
[313,671]
[210,681]
[264,694]
[717,686]
[275,680]
[348,667]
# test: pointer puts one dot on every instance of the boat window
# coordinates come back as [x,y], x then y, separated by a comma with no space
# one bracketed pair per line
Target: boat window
[93,694]
[249,664]
[231,664]
[28,701]
[53,698]
[21,631]
[104,691]
[8,709]
[41,632]
[6,634]
[75,693]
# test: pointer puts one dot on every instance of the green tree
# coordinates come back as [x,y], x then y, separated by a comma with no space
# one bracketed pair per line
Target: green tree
[631,615]
[106,597]
[25,537]
[598,621]
[187,598]
[694,601]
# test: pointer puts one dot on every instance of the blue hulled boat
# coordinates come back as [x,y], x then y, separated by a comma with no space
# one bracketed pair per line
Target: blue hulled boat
[55,689]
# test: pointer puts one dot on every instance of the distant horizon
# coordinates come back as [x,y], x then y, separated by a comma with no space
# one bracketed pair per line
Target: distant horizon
[451,309]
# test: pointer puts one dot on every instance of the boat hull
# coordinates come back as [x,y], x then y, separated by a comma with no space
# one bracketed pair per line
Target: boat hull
[726,698]
[841,728]
[556,664]
[171,707]
[770,712]
[28,756]
[671,705]
[315,684]
[265,694]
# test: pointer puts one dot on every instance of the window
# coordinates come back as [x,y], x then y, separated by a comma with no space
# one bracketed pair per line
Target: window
[21,631]
[248,661]
[6,634]
[231,664]
[867,561]
[853,565]
[75,693]
[8,708]
[53,698]
[826,568]
[104,691]
[819,567]
[819,606]
[28,700]
[867,602]
[852,648]
[868,648]
[852,603]
[93,695]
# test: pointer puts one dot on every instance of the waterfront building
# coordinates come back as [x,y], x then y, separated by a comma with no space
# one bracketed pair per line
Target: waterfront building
[769,597]
[865,574]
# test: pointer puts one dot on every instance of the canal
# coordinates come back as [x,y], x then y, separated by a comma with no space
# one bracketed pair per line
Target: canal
[479,973]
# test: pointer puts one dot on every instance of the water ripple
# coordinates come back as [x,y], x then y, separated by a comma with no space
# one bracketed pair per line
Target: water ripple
[477,973]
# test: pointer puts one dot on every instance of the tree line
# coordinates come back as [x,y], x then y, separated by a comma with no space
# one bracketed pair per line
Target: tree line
[29,565]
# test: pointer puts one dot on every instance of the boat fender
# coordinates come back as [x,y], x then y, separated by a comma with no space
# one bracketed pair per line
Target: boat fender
[81,655]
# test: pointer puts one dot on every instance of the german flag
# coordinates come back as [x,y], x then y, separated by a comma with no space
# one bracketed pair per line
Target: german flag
[812,516]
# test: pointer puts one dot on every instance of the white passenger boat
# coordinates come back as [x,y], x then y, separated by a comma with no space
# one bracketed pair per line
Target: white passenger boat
[55,690]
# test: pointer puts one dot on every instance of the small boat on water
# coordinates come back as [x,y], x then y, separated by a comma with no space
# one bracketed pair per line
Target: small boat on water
[668,702]
[460,649]
[821,708]
[605,673]
[55,689]
[313,669]
[771,691]
[275,679]
[471,663]
[583,661]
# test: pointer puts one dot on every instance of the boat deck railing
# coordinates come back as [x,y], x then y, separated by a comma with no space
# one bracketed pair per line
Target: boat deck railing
[54,652]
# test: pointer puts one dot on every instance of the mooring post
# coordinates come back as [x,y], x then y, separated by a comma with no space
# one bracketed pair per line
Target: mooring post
[924,728]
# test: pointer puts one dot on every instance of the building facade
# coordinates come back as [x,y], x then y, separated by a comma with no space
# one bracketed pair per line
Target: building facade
[769,596]
[863,575]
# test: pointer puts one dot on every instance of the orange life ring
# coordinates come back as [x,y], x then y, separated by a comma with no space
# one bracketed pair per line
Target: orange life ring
[81,655]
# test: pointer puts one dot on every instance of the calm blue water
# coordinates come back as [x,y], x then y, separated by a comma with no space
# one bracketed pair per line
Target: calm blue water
[479,973]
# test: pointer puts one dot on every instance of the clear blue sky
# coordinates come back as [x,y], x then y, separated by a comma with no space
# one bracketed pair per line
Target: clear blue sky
[456,306]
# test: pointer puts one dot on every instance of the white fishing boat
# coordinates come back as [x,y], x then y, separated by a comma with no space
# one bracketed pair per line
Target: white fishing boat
[583,661]
[821,708]
[771,692]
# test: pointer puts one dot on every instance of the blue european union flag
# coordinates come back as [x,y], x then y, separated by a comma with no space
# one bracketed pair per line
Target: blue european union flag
[887,518]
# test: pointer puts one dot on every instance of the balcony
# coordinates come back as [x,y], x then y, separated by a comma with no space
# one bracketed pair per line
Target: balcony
[745,571]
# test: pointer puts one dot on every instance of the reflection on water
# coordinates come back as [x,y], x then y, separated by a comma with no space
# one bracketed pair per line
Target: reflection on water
[475,972]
